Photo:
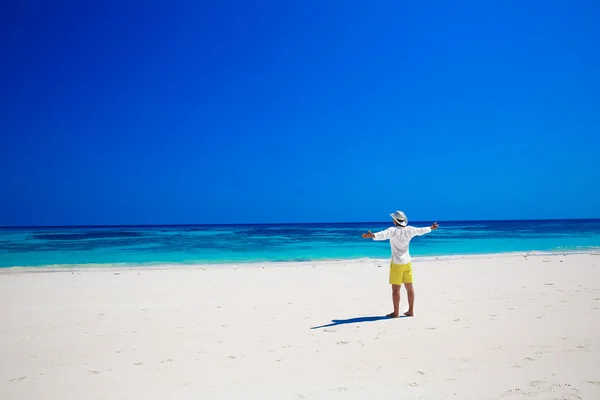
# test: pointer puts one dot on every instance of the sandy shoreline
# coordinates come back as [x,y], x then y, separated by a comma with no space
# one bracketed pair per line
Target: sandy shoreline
[262,264]
[487,327]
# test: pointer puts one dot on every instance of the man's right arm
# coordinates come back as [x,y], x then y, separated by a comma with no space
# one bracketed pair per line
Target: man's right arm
[423,231]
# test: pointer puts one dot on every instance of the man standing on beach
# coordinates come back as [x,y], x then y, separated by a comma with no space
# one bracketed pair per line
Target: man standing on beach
[400,236]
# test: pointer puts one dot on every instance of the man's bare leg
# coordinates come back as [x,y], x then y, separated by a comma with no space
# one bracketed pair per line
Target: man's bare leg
[396,301]
[410,291]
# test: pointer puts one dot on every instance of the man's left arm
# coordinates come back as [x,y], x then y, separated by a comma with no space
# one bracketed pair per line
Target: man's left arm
[383,235]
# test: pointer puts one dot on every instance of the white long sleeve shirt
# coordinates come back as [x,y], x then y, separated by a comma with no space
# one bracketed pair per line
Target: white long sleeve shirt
[400,238]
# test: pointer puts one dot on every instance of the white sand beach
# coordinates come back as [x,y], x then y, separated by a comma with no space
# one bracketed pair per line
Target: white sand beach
[497,327]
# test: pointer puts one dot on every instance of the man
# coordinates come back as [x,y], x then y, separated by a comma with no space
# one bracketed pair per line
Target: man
[400,236]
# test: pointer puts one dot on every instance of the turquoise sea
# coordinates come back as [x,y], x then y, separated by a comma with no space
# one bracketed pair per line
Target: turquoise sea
[201,244]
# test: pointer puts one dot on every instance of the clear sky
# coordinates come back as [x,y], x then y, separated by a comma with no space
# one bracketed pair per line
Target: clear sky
[303,111]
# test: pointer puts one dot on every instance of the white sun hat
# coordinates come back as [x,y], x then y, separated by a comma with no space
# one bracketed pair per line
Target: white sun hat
[400,218]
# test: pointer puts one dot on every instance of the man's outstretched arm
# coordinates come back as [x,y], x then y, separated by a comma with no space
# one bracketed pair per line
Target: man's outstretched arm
[383,235]
[368,235]
[423,231]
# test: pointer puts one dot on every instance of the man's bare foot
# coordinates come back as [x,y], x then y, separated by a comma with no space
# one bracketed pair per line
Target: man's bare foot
[392,315]
[409,314]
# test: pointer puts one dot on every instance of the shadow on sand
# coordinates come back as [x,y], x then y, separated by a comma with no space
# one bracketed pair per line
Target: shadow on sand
[336,322]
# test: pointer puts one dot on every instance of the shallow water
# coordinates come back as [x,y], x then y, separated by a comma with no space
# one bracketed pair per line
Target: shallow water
[297,242]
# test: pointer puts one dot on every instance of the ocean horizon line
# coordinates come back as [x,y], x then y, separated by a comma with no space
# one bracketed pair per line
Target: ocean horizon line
[292,223]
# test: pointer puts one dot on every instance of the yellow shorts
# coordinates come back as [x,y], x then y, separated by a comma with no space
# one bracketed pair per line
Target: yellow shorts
[400,273]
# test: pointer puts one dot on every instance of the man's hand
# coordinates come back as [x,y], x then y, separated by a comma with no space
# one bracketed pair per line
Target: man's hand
[368,235]
[434,226]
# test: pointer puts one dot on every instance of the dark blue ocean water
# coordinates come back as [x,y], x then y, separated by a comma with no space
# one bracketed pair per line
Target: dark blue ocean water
[116,246]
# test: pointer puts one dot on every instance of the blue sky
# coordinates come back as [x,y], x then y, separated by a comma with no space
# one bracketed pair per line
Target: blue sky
[312,111]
